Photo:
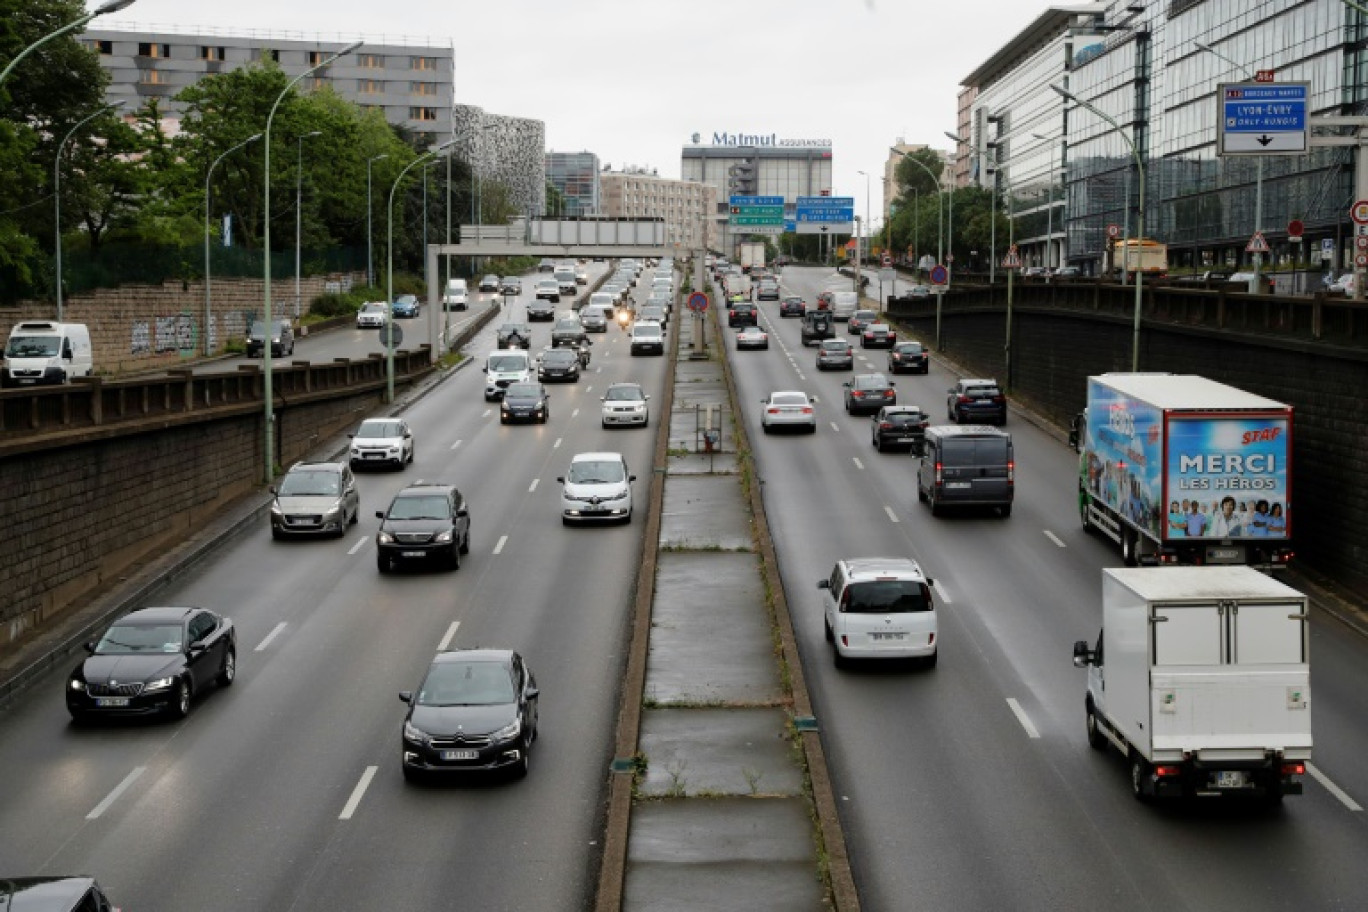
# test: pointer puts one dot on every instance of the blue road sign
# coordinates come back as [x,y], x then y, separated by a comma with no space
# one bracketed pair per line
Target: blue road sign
[757,201]
[790,225]
[939,275]
[825,209]
[698,302]
[1263,118]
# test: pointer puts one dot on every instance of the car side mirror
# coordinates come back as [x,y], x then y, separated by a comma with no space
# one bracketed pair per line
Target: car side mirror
[406,696]
[379,514]
[90,647]
[532,692]
[462,512]
[824,584]
[631,478]
[560,478]
[351,436]
[648,397]
[1082,655]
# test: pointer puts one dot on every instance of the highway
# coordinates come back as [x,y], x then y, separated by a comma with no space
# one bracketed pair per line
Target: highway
[285,791]
[971,786]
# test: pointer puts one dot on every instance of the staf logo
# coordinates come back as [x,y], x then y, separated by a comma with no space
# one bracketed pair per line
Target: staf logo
[697,137]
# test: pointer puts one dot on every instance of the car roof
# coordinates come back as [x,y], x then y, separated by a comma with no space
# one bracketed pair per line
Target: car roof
[158,615]
[623,383]
[891,409]
[425,487]
[598,456]
[833,343]
[967,430]
[316,467]
[906,342]
[867,568]
[872,375]
[37,892]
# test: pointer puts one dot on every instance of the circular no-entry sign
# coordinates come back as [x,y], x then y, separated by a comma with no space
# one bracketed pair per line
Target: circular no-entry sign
[698,302]
[939,275]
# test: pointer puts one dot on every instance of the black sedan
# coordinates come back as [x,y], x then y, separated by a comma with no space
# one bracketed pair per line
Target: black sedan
[525,402]
[868,393]
[153,661]
[559,364]
[792,306]
[909,357]
[513,335]
[899,426]
[878,335]
[475,710]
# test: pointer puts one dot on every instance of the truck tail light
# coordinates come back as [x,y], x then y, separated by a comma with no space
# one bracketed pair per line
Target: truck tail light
[1296,768]
[939,477]
[1011,472]
[1167,770]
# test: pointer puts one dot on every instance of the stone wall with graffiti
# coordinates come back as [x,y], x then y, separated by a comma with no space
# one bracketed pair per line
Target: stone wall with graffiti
[142,327]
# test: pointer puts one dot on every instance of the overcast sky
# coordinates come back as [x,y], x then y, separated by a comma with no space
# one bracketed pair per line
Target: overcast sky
[632,80]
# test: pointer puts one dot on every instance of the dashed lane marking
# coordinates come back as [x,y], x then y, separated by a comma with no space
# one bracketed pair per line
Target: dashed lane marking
[357,793]
[1024,719]
[118,790]
[270,637]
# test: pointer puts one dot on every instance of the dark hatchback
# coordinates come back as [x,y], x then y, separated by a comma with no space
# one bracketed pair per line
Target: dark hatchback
[153,661]
[476,710]
[878,335]
[817,326]
[525,402]
[835,354]
[792,306]
[868,393]
[513,335]
[741,313]
[425,523]
[908,357]
[899,427]
[559,364]
[976,402]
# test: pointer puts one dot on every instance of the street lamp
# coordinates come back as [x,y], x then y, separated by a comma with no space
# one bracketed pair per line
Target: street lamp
[868,227]
[1049,208]
[57,189]
[1254,283]
[950,218]
[109,6]
[389,300]
[1140,216]
[370,256]
[940,233]
[268,432]
[208,313]
[299,206]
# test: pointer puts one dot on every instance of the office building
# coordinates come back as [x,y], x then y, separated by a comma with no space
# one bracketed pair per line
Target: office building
[689,208]
[575,175]
[509,150]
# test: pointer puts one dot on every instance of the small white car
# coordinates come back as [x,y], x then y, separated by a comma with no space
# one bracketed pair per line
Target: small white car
[597,488]
[788,409]
[625,404]
[372,315]
[382,442]
[752,337]
[647,338]
[879,608]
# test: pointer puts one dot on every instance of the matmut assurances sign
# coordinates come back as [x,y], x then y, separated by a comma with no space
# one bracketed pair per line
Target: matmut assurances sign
[760,140]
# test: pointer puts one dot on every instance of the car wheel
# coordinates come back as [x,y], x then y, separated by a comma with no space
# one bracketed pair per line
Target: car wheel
[876,444]
[935,507]
[465,542]
[229,670]
[1139,770]
[413,454]
[826,631]
[930,661]
[765,428]
[412,775]
[524,765]
[837,659]
[921,494]
[355,517]
[1096,740]
[565,521]
[604,423]
[454,559]
[1127,547]
[1005,510]
[180,701]
[78,717]
[277,534]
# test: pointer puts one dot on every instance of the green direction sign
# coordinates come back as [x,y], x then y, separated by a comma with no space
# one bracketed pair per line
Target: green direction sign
[757,219]
[776,211]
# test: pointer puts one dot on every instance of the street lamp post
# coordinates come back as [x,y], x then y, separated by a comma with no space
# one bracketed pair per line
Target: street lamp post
[1140,216]
[1049,207]
[859,254]
[389,306]
[940,234]
[299,208]
[950,215]
[57,190]
[370,234]
[109,6]
[208,312]
[1254,283]
[268,392]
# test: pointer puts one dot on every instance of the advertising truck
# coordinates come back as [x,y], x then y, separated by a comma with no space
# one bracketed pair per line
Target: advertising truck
[1180,469]
[1201,679]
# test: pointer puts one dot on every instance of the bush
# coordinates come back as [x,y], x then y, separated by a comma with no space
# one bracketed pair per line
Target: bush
[332,304]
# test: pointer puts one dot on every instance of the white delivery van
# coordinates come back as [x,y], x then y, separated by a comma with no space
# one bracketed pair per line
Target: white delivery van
[456,294]
[505,366]
[46,352]
[843,305]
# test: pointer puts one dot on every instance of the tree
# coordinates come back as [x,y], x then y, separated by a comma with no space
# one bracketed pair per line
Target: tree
[913,180]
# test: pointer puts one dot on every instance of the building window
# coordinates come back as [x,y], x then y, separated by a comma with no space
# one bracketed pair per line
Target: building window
[424,63]
[370,86]
[152,77]
[422,113]
[315,58]
[211,53]
[101,47]
[370,61]
[152,49]
[423,88]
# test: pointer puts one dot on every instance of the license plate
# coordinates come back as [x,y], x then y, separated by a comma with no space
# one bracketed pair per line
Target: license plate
[413,554]
[907,440]
[595,509]
[958,485]
[460,755]
[887,636]
[375,455]
[1225,554]
[1230,779]
[111,701]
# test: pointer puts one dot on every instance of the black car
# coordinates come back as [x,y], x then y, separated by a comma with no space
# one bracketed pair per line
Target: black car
[282,339]
[909,357]
[426,522]
[899,426]
[817,326]
[559,364]
[976,402]
[878,335]
[525,402]
[742,313]
[476,710]
[513,335]
[868,393]
[792,306]
[568,332]
[153,661]
[541,309]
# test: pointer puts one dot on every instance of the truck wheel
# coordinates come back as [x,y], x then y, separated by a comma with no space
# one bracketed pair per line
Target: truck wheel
[1273,794]
[1128,547]
[1096,739]
[1083,515]
[1139,773]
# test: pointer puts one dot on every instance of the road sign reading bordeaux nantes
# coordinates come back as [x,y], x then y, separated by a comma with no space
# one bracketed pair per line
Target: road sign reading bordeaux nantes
[757,211]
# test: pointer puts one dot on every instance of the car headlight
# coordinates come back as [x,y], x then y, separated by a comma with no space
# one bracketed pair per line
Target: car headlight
[334,511]
[77,684]
[416,735]
[444,537]
[618,496]
[508,732]
[275,508]
[159,684]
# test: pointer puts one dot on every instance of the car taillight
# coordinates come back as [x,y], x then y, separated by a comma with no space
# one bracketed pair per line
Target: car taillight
[938,475]
[999,399]
[869,335]
[772,410]
[807,410]
[858,394]
[1167,770]
[1011,472]
[1296,768]
[964,399]
[885,425]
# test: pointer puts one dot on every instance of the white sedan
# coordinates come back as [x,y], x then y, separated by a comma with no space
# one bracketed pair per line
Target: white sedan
[788,409]
[372,315]
[625,404]
[752,337]
[382,441]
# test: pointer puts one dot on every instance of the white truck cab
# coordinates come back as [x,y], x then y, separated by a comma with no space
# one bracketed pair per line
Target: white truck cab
[503,367]
[43,352]
[456,295]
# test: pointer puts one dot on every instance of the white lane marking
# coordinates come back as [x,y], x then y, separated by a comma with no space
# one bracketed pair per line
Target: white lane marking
[487,413]
[357,793]
[450,635]
[359,544]
[575,413]
[859,465]
[1054,538]
[456,445]
[275,632]
[589,388]
[556,445]
[118,790]
[800,376]
[1333,789]
[1024,719]
[835,426]
[533,486]
[944,596]
[893,517]
[498,546]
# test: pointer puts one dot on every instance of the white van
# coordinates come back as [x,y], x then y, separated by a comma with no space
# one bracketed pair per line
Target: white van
[879,608]
[843,306]
[456,293]
[505,366]
[45,352]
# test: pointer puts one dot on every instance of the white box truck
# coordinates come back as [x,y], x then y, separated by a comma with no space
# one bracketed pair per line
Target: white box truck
[1180,469]
[752,256]
[44,352]
[1201,679]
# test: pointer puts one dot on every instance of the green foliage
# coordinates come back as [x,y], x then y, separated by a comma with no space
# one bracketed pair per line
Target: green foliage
[333,304]
[911,173]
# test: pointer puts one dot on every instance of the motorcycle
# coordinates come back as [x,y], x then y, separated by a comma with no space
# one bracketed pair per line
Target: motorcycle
[584,353]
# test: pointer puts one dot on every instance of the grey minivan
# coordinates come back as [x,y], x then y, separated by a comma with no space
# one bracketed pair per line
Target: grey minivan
[967,465]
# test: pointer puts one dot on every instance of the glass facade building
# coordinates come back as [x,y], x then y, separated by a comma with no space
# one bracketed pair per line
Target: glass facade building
[787,168]
[576,176]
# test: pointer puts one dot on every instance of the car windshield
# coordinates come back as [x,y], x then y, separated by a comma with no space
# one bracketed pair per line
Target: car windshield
[982,392]
[568,324]
[789,399]
[886,597]
[646,332]
[509,328]
[523,391]
[374,429]
[33,347]
[420,506]
[467,684]
[870,381]
[310,484]
[623,394]
[878,327]
[559,356]
[903,418]
[258,330]
[834,345]
[130,639]
[596,471]
[865,315]
[507,363]
[909,348]
[372,308]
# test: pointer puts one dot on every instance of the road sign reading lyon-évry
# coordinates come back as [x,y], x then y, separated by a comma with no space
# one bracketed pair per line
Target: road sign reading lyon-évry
[1263,118]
